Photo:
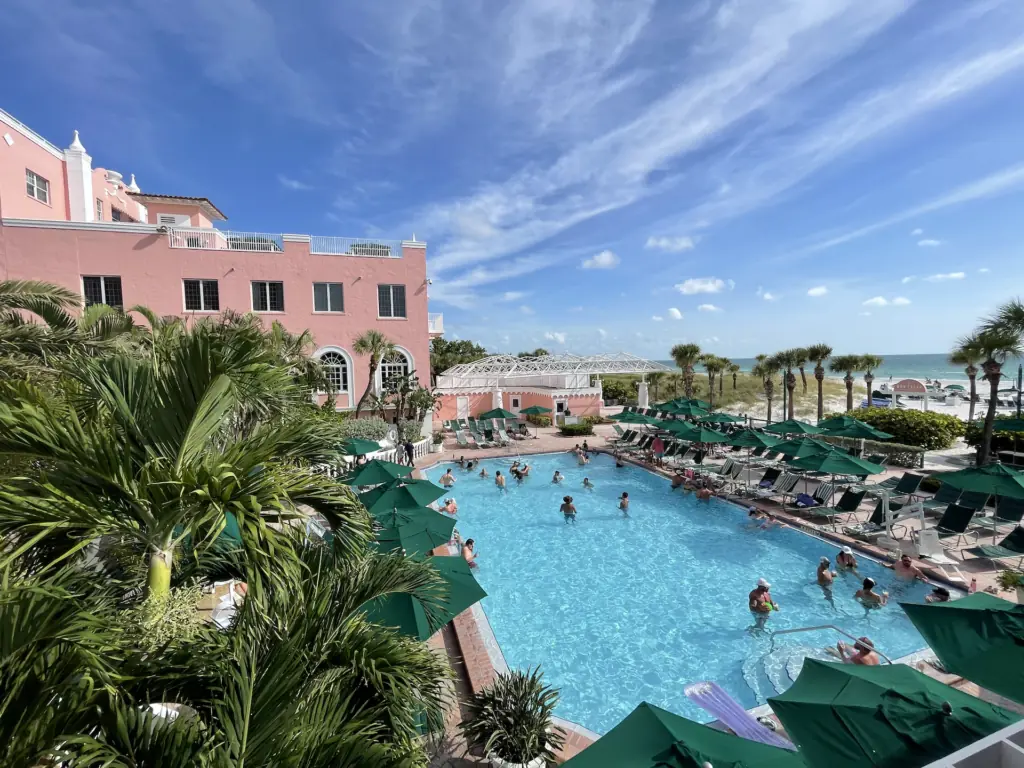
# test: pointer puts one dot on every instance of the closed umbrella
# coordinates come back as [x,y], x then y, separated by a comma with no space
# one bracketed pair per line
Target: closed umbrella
[497,413]
[356,446]
[416,539]
[994,479]
[891,716]
[401,494]
[793,427]
[412,617]
[980,637]
[376,472]
[651,737]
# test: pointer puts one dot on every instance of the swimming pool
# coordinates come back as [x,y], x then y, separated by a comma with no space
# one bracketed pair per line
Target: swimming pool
[619,611]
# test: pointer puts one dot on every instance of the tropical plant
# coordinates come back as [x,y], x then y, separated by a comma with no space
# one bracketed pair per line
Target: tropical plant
[801,356]
[993,344]
[685,357]
[512,718]
[924,429]
[869,363]
[968,357]
[447,353]
[734,369]
[376,346]
[766,368]
[365,428]
[538,352]
[654,380]
[1010,579]
[789,359]
[576,430]
[726,367]
[819,353]
[848,364]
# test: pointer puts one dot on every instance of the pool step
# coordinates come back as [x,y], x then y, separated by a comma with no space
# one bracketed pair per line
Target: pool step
[775,671]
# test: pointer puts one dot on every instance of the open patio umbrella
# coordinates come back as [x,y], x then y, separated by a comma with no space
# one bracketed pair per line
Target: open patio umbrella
[720,418]
[356,446]
[401,494]
[702,434]
[690,410]
[411,617]
[980,637]
[835,463]
[652,737]
[396,518]
[632,417]
[376,472]
[851,716]
[840,422]
[536,410]
[994,479]
[793,427]
[498,413]
[799,447]
[749,438]
[859,430]
[416,539]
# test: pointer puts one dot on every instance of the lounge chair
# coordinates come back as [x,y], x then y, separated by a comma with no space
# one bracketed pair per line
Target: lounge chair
[627,438]
[945,496]
[784,484]
[462,440]
[954,522]
[878,458]
[848,503]
[875,526]
[973,500]
[696,461]
[503,435]
[1010,548]
[822,495]
[618,430]
[642,445]
[889,484]
[1008,512]
[903,486]
[770,476]
[723,470]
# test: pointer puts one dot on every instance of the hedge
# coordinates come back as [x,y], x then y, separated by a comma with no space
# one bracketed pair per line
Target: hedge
[537,420]
[368,428]
[410,431]
[923,429]
[1001,441]
[575,430]
[898,454]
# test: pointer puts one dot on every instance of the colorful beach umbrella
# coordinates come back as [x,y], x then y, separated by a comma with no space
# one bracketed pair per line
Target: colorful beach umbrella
[376,472]
[356,446]
[749,438]
[980,637]
[498,413]
[411,617]
[720,418]
[793,427]
[851,716]
[835,463]
[401,494]
[651,737]
[800,447]
[416,539]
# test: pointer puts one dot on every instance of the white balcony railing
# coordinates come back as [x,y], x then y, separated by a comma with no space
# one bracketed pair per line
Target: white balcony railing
[216,240]
[435,323]
[355,246]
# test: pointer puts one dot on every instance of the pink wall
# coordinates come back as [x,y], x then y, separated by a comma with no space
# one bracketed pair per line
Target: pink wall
[151,274]
[14,159]
[113,196]
[585,405]
[478,403]
[196,216]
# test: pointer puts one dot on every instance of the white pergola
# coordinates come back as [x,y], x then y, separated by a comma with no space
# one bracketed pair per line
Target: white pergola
[499,367]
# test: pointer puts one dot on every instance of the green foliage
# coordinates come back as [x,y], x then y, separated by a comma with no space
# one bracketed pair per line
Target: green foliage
[1010,579]
[512,718]
[447,353]
[366,428]
[165,620]
[924,429]
[898,454]
[438,438]
[410,431]
[617,390]
[1001,439]
[538,420]
[538,352]
[576,430]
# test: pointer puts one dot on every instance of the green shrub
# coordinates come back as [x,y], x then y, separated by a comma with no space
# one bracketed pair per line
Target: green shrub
[898,454]
[930,484]
[1001,440]
[924,429]
[538,421]
[617,390]
[576,430]
[592,420]
[410,430]
[366,428]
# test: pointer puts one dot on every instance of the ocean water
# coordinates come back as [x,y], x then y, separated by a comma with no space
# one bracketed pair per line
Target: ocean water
[621,610]
[921,367]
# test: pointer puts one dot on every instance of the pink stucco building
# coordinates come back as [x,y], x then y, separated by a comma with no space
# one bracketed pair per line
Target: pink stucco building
[66,222]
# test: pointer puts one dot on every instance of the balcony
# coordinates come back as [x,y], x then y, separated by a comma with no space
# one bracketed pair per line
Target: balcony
[262,242]
[435,324]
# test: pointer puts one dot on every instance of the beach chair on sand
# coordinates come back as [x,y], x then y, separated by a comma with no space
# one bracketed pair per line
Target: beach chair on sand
[945,496]
[1008,512]
[848,504]
[1010,548]
[954,523]
[875,525]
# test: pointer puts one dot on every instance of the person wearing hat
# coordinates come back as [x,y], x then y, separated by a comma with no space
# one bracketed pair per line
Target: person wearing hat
[760,599]
[825,574]
[938,595]
[845,560]
[863,652]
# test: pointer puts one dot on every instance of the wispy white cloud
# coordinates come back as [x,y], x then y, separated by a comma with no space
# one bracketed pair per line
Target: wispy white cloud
[294,184]
[818,290]
[769,296]
[708,308]
[603,260]
[864,314]
[877,301]
[942,276]
[900,301]
[908,279]
[513,295]
[917,232]
[694,285]
[929,243]
[602,332]
[984,270]
[674,313]
[670,244]
[555,336]
[526,309]
[657,318]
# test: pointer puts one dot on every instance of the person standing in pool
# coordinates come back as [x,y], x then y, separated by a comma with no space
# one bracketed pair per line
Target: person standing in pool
[499,480]
[867,595]
[845,560]
[624,504]
[568,510]
[483,471]
[906,569]
[825,574]
[863,652]
[760,598]
[557,479]
[448,479]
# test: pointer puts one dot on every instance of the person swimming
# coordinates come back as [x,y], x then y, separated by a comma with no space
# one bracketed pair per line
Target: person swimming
[677,481]
[624,504]
[483,471]
[450,506]
[587,484]
[581,459]
[558,477]
[568,509]
[863,652]
[525,470]
[867,595]
[469,465]
[705,494]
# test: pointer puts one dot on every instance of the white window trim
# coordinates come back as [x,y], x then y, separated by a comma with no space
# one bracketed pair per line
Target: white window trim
[393,317]
[49,193]
[267,311]
[378,380]
[99,209]
[312,290]
[202,295]
[103,288]
[348,361]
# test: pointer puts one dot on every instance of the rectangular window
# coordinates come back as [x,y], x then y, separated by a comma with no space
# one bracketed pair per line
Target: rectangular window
[267,296]
[37,186]
[202,296]
[327,297]
[391,300]
[116,214]
[99,209]
[102,290]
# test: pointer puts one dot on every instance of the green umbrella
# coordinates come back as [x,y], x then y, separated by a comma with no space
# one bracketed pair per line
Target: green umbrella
[498,413]
[852,716]
[840,422]
[416,539]
[690,410]
[411,617]
[376,472]
[800,447]
[860,430]
[356,446]
[980,637]
[793,427]
[720,418]
[835,463]
[632,417]
[748,438]
[401,494]
[997,479]
[395,518]
[536,410]
[702,434]
[651,737]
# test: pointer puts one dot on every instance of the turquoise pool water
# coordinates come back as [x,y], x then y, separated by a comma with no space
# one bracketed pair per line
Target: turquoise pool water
[619,611]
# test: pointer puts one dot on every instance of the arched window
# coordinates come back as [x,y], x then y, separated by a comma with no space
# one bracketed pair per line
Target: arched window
[395,366]
[336,368]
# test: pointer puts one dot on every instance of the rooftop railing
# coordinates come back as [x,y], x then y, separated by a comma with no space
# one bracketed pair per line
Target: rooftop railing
[355,246]
[435,322]
[218,240]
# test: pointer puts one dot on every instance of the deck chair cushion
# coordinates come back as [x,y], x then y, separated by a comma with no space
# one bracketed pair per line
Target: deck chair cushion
[954,521]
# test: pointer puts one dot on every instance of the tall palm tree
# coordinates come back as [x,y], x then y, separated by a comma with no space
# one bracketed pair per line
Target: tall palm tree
[766,367]
[725,366]
[968,356]
[153,452]
[869,363]
[993,344]
[788,359]
[801,356]
[734,369]
[708,360]
[655,379]
[686,356]
[848,364]
[376,346]
[819,353]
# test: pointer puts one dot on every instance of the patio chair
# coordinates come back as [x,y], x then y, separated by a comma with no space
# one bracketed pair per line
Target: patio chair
[848,503]
[945,496]
[618,430]
[769,477]
[822,495]
[1008,512]
[503,435]
[954,522]
[973,500]
[889,484]
[473,425]
[784,484]
[722,470]
[627,438]
[695,461]
[1010,548]
[878,458]
[462,440]
[875,526]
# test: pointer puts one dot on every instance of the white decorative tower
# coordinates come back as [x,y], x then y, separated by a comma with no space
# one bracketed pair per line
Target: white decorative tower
[80,197]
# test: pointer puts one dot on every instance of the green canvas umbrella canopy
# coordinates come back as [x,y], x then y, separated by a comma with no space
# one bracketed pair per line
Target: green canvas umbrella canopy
[997,479]
[702,434]
[498,413]
[651,737]
[689,410]
[376,472]
[393,518]
[401,494]
[632,417]
[859,430]
[535,410]
[417,539]
[980,637]
[412,618]
[356,446]
[840,422]
[720,418]
[891,716]
[748,438]
[793,427]
[799,447]
[836,463]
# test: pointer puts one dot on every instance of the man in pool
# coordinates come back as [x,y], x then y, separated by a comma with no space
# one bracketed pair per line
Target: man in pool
[448,479]
[581,459]
[586,448]
[450,507]
[624,504]
[845,560]
[483,471]
[760,598]
[557,478]
[825,574]
[704,494]
[499,480]
[462,461]
[568,510]
[863,652]
[587,484]
[906,569]
[938,595]
[677,481]
[867,595]
[468,554]
[525,470]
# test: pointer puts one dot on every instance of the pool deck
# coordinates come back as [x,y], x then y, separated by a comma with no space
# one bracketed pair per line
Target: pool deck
[477,660]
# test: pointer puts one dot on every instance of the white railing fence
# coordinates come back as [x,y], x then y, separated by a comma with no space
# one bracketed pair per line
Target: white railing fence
[435,322]
[217,240]
[355,246]
[396,454]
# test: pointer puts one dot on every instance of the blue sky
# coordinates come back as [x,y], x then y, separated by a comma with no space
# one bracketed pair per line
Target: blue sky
[590,176]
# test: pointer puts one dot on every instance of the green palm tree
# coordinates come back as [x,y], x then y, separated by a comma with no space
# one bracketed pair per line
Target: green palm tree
[801,356]
[819,353]
[655,379]
[686,356]
[377,347]
[152,451]
[968,356]
[788,359]
[766,368]
[46,300]
[724,363]
[734,369]
[993,344]
[848,364]
[869,363]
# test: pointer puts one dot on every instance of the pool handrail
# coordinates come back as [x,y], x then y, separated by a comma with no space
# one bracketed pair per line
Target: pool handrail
[823,626]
